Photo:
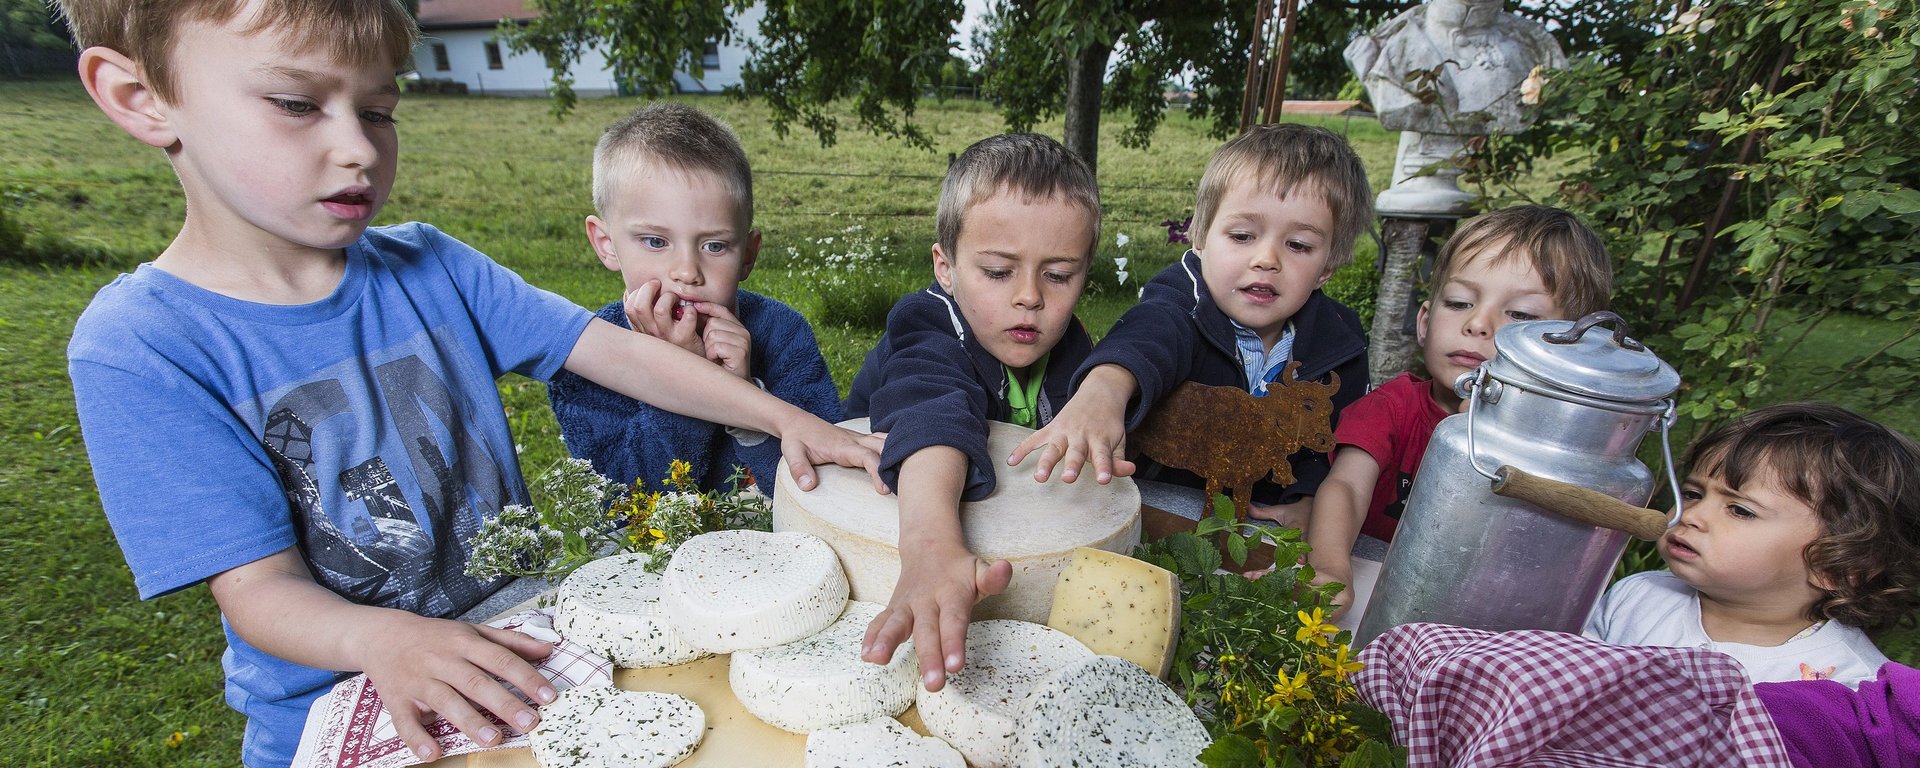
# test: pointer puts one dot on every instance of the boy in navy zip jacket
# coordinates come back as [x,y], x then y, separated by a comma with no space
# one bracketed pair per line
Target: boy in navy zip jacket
[995,338]
[1278,211]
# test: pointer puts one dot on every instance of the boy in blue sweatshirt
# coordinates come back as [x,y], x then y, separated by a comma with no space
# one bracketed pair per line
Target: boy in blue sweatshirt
[993,338]
[674,201]
[1278,211]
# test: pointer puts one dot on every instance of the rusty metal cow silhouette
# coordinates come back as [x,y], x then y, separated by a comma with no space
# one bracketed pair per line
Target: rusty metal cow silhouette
[1233,439]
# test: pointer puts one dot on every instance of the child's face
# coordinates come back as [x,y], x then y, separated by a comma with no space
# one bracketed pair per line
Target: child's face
[278,151]
[1744,546]
[1482,295]
[1017,271]
[1264,256]
[677,227]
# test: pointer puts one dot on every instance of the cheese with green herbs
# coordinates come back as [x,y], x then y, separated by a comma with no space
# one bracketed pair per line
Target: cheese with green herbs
[729,591]
[605,727]
[878,743]
[976,710]
[821,682]
[612,605]
[1106,711]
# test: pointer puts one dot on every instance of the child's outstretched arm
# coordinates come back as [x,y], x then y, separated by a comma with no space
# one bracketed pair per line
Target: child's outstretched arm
[1091,427]
[655,371]
[421,666]
[940,579]
[1339,508]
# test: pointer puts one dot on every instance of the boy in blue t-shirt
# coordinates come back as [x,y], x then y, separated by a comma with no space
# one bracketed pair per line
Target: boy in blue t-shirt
[994,338]
[674,197]
[1278,210]
[300,410]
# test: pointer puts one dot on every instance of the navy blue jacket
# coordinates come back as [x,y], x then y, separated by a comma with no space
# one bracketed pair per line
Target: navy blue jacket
[1176,334]
[930,382]
[626,439]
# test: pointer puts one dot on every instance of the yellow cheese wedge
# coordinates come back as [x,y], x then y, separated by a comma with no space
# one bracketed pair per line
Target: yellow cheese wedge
[1119,606]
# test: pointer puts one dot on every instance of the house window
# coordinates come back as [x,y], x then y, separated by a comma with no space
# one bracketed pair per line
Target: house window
[710,59]
[440,57]
[493,55]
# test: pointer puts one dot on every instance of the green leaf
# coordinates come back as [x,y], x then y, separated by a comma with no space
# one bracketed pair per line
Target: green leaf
[1904,202]
[1231,751]
[1237,548]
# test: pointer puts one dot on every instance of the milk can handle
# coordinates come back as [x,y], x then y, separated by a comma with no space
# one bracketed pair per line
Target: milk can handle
[1579,504]
[1581,326]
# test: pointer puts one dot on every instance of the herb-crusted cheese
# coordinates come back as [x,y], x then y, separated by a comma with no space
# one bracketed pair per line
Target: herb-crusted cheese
[976,710]
[605,727]
[820,681]
[878,743]
[1034,526]
[1119,606]
[612,605]
[1106,711]
[729,591]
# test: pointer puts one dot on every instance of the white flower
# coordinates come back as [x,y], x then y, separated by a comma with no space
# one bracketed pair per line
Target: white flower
[1123,277]
[1120,263]
[1120,240]
[1530,87]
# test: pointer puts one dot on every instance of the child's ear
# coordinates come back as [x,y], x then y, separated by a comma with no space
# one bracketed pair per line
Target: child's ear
[1324,277]
[602,241]
[1420,325]
[749,253]
[942,268]
[120,89]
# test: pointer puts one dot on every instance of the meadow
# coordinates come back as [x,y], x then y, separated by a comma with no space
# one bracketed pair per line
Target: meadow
[94,676]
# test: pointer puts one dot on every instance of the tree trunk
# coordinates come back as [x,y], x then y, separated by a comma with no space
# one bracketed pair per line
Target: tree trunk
[1086,75]
[1391,343]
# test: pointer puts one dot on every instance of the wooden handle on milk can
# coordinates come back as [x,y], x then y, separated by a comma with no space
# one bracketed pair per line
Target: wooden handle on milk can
[1579,504]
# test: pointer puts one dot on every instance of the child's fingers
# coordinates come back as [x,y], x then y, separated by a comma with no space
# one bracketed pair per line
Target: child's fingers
[1049,454]
[638,305]
[884,634]
[953,637]
[453,706]
[799,463]
[516,670]
[1034,442]
[935,652]
[991,578]
[408,726]
[1075,459]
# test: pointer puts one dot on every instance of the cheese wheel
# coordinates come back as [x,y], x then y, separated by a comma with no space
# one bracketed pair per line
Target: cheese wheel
[878,742]
[1106,711]
[729,591]
[1035,526]
[612,605]
[820,681]
[605,727]
[1119,606]
[975,711]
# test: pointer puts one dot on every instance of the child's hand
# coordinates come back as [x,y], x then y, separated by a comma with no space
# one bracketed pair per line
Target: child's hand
[1090,428]
[932,603]
[657,312]
[425,666]
[1328,572]
[725,340]
[808,441]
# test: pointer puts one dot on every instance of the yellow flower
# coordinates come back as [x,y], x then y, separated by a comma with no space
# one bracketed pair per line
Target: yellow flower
[657,534]
[1314,629]
[1338,666]
[678,473]
[1288,690]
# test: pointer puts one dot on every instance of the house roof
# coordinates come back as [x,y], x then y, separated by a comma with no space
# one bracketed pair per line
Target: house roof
[1348,108]
[471,14]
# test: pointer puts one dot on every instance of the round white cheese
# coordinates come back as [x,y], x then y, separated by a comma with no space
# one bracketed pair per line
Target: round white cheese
[878,742]
[729,591]
[1106,711]
[1034,526]
[820,681]
[605,727]
[975,712]
[612,605]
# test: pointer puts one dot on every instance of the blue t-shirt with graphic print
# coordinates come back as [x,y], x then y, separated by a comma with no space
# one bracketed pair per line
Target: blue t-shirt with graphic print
[365,429]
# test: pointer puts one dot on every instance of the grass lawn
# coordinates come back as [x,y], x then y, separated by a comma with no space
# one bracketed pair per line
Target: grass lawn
[95,677]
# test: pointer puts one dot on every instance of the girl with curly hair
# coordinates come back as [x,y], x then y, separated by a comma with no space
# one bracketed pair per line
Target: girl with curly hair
[1799,530]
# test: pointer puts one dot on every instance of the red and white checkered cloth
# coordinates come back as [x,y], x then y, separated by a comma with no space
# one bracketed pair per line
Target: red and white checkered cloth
[1467,697]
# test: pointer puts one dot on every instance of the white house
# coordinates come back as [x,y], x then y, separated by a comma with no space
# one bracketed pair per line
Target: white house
[458,43]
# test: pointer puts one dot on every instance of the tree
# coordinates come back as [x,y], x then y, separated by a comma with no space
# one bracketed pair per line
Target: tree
[26,26]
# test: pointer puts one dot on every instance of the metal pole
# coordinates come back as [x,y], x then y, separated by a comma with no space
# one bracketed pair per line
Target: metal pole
[1277,88]
[1250,95]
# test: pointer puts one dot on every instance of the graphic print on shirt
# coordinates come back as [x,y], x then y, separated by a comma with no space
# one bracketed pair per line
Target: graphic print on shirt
[1402,488]
[385,508]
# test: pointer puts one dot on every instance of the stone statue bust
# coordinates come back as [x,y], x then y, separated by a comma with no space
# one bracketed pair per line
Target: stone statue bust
[1440,72]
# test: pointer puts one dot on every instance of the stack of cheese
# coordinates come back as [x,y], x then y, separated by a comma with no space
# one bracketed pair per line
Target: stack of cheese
[777,602]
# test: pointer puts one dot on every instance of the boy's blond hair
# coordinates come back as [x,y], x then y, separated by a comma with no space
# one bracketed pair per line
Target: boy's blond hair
[1572,261]
[1029,164]
[685,139]
[1281,158]
[145,30]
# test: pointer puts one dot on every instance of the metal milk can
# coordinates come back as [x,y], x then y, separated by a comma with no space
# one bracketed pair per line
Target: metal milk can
[1524,502]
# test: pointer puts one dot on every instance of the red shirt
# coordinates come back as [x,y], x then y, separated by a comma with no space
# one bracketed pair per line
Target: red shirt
[1392,424]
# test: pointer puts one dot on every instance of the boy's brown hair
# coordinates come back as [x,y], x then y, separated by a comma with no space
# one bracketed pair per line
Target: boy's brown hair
[145,30]
[1570,258]
[1862,479]
[682,137]
[1032,165]
[1283,157]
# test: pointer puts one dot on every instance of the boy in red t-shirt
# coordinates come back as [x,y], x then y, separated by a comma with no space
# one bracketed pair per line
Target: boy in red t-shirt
[1527,262]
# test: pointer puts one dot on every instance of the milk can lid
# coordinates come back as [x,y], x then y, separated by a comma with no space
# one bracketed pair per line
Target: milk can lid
[1581,358]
